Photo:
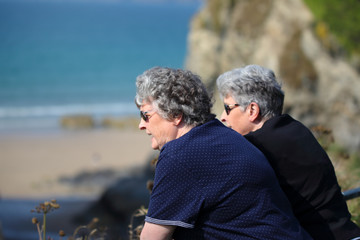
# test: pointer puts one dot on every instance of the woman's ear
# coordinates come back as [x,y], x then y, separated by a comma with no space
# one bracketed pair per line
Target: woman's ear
[254,111]
[177,120]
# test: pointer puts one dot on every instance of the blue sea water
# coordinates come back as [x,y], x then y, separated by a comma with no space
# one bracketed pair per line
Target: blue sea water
[82,57]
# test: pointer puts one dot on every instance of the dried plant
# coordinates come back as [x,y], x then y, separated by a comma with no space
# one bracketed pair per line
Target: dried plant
[134,232]
[44,209]
[90,232]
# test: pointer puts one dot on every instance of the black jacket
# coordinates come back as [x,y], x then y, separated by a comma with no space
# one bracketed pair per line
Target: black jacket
[307,177]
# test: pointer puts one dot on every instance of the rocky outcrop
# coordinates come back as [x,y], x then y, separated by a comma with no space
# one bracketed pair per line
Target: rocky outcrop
[320,88]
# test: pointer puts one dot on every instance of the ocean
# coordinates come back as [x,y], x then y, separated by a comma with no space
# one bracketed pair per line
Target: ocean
[63,57]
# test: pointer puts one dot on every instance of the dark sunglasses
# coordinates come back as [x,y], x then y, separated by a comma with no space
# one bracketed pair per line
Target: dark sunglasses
[144,116]
[230,107]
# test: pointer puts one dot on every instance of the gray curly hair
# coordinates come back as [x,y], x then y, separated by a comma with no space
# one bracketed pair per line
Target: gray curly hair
[175,92]
[253,83]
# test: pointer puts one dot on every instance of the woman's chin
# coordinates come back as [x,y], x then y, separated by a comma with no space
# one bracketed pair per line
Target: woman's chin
[154,144]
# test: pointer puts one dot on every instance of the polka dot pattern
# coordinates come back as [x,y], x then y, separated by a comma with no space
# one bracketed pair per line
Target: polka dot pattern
[213,184]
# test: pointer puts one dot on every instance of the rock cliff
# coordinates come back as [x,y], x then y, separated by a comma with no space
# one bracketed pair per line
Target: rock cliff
[320,88]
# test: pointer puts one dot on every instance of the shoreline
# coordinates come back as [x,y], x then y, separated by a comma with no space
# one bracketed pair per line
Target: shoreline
[33,163]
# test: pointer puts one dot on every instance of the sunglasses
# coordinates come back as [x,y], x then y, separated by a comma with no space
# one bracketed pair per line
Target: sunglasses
[230,107]
[145,116]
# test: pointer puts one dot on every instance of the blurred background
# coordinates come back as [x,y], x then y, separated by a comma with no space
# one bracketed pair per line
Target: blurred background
[68,123]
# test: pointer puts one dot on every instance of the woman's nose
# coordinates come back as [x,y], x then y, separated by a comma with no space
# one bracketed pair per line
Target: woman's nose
[142,124]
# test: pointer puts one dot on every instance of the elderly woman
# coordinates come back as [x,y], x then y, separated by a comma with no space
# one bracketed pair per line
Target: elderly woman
[253,102]
[210,183]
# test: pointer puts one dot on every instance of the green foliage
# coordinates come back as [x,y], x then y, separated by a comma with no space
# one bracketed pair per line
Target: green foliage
[354,204]
[355,160]
[342,19]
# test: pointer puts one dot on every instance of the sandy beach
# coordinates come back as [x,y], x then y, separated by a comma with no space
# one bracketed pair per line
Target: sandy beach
[33,163]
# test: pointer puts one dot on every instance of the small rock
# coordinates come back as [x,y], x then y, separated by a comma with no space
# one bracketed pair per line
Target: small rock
[77,121]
